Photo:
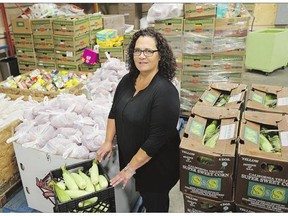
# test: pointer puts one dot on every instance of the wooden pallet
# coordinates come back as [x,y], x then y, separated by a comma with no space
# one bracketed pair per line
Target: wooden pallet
[9,193]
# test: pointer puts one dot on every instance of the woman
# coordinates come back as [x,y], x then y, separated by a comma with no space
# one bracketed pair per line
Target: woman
[144,116]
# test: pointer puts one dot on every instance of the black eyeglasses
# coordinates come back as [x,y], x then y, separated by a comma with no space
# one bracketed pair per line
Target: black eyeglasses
[146,52]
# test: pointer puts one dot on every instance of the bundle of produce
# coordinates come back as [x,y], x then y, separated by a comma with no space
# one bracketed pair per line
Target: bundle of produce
[13,110]
[68,125]
[102,85]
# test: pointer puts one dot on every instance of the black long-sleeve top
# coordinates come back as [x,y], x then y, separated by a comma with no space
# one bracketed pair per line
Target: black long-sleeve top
[148,121]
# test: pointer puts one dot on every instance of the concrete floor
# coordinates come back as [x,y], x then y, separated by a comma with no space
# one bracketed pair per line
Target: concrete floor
[278,78]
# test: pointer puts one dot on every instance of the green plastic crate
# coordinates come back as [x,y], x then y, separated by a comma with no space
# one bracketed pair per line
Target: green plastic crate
[267,50]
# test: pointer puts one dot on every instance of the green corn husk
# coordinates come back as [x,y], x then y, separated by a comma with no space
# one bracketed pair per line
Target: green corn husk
[205,160]
[270,100]
[210,130]
[212,141]
[265,145]
[276,143]
[223,99]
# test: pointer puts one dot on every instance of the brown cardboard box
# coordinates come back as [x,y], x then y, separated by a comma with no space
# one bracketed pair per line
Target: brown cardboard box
[229,63]
[68,56]
[170,26]
[262,177]
[43,41]
[246,209]
[232,27]
[46,55]
[195,203]
[205,171]
[71,26]
[115,52]
[203,27]
[23,40]
[46,65]
[42,26]
[89,68]
[256,99]
[229,46]
[237,95]
[197,44]
[192,10]
[26,66]
[197,62]
[96,21]
[21,25]
[71,43]
[68,66]
[25,54]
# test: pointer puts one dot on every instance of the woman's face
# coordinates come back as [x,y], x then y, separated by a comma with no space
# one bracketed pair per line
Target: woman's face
[146,63]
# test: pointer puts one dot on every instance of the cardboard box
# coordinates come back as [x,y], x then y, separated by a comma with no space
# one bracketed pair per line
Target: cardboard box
[115,52]
[229,45]
[43,41]
[127,38]
[232,27]
[23,40]
[46,65]
[203,27]
[68,56]
[199,204]
[71,26]
[196,44]
[132,13]
[236,93]
[257,94]
[246,209]
[233,63]
[46,55]
[26,66]
[170,26]
[42,26]
[175,42]
[262,176]
[89,68]
[25,54]
[200,80]
[21,25]
[38,166]
[96,21]
[212,178]
[68,66]
[70,43]
[197,62]
[192,10]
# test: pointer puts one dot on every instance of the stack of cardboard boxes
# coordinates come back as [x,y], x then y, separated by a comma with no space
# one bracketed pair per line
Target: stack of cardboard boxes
[262,172]
[207,173]
[54,43]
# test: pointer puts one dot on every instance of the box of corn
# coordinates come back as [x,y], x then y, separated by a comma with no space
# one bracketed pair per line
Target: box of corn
[228,95]
[268,98]
[81,188]
[40,83]
[262,177]
[207,152]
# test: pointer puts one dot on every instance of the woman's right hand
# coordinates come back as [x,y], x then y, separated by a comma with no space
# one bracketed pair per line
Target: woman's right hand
[104,151]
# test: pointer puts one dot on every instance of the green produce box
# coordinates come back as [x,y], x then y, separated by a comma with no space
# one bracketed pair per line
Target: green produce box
[266,50]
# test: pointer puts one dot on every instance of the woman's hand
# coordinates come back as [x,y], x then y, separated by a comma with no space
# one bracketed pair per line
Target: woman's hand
[124,175]
[104,151]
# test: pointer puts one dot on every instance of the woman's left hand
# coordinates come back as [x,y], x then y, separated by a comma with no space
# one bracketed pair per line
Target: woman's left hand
[124,175]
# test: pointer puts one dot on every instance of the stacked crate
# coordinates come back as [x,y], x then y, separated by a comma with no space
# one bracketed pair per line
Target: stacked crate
[263,160]
[42,30]
[213,50]
[71,36]
[96,25]
[24,44]
[172,30]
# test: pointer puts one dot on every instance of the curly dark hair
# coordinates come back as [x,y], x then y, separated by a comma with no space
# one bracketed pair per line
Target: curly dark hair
[167,63]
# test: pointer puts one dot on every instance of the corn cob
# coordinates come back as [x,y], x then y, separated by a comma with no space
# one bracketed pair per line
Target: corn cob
[265,145]
[68,179]
[270,100]
[210,130]
[94,173]
[61,194]
[212,141]
[276,143]
[89,185]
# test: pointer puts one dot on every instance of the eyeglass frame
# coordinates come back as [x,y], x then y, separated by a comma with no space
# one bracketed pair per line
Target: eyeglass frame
[143,51]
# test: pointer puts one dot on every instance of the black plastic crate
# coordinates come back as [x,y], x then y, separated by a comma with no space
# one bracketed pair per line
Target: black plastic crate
[106,197]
